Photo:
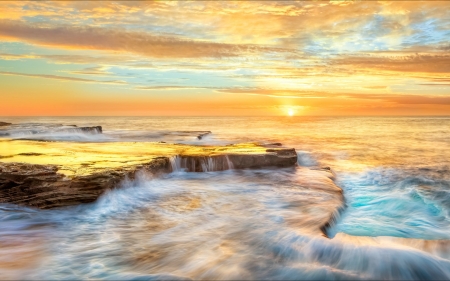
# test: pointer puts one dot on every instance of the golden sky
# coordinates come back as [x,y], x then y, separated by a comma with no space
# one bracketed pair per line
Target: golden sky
[224,58]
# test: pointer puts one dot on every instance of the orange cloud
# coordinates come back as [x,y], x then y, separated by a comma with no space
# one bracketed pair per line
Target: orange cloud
[95,38]
[420,63]
[57,77]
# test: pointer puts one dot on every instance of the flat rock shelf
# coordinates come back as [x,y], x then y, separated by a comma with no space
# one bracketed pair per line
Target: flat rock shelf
[56,174]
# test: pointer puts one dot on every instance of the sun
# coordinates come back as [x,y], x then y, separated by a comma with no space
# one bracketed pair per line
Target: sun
[290,112]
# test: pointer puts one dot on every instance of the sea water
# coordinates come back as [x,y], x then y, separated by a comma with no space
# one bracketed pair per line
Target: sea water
[394,173]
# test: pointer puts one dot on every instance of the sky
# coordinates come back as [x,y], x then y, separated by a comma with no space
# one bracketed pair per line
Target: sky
[224,58]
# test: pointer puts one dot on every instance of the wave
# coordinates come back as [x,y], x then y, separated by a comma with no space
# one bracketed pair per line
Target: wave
[250,224]
[391,202]
[201,164]
[53,132]
[306,159]
[60,132]
[258,224]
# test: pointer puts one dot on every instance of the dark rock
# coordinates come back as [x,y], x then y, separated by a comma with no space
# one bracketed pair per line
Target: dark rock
[72,129]
[85,130]
[200,136]
[328,169]
[278,158]
[43,187]
[95,129]
[30,154]
[5,124]
[275,144]
[273,158]
[334,218]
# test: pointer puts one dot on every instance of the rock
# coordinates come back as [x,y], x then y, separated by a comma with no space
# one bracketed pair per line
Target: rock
[40,131]
[200,136]
[278,158]
[275,144]
[5,124]
[95,129]
[84,130]
[236,161]
[43,187]
[29,154]
[96,167]
[281,157]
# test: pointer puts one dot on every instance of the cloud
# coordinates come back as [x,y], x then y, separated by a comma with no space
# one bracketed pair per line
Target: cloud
[63,78]
[167,88]
[332,97]
[6,56]
[420,100]
[304,52]
[95,38]
[401,99]
[375,87]
[434,84]
[292,23]
[96,70]
[86,59]
[428,63]
[274,93]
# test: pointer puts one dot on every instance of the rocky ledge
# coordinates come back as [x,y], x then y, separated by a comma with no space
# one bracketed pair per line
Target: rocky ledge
[17,130]
[4,124]
[58,174]
[43,187]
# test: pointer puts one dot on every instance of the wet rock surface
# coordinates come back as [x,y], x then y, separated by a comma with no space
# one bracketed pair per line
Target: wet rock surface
[90,130]
[283,157]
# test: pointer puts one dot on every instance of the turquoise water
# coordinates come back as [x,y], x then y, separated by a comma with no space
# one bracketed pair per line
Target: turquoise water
[394,171]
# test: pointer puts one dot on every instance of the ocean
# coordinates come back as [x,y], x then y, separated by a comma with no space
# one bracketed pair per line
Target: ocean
[394,173]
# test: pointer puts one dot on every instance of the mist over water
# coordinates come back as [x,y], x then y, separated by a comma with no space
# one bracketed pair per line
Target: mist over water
[254,224]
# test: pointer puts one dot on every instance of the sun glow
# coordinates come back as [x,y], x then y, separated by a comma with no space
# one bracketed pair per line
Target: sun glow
[290,112]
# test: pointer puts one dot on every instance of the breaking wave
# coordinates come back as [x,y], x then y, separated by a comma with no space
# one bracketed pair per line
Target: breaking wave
[392,202]
[212,225]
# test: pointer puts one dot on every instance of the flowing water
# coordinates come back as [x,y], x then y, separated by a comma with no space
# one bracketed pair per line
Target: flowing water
[252,224]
